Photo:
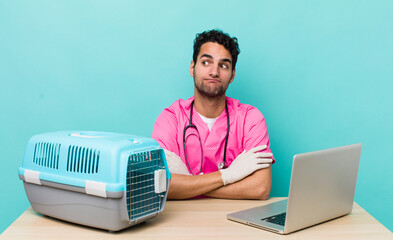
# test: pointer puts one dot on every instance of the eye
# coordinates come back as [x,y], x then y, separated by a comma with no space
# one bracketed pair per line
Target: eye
[205,63]
[224,66]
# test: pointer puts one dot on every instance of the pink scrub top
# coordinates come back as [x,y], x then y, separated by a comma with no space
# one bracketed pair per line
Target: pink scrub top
[247,130]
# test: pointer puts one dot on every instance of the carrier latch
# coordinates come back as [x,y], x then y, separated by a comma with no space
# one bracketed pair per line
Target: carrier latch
[160,181]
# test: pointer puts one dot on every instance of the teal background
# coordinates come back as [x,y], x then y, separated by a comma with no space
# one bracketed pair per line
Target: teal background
[320,71]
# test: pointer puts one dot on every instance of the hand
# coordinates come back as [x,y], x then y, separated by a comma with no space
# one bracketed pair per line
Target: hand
[245,164]
[175,164]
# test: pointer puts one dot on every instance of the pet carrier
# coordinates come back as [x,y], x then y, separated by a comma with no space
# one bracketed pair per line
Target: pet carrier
[103,180]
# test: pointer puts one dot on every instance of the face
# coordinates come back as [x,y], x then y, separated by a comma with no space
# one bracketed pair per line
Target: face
[213,71]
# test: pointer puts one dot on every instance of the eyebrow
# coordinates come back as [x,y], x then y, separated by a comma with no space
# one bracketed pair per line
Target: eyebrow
[209,56]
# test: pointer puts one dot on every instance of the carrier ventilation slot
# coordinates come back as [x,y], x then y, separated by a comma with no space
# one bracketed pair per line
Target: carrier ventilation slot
[82,159]
[141,197]
[47,154]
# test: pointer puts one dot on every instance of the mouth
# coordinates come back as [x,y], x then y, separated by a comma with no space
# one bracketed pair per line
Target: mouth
[212,80]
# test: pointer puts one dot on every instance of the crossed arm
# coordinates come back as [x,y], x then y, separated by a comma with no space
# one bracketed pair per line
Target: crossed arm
[255,186]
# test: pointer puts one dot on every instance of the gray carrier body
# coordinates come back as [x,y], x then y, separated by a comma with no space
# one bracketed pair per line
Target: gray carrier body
[103,180]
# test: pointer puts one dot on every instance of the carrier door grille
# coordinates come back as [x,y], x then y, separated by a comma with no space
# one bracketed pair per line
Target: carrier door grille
[82,159]
[47,154]
[141,197]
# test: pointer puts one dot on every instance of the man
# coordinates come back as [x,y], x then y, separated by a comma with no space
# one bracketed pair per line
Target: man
[214,145]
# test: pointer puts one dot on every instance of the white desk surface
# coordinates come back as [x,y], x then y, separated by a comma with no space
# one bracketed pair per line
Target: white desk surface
[197,219]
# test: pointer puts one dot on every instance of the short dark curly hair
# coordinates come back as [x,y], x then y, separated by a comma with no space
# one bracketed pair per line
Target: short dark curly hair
[217,36]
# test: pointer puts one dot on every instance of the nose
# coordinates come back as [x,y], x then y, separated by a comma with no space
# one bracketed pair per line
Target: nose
[214,71]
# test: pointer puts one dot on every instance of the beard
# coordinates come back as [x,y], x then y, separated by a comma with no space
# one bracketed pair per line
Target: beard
[210,91]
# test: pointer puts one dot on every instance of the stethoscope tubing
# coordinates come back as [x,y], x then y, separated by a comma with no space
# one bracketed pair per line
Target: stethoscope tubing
[191,125]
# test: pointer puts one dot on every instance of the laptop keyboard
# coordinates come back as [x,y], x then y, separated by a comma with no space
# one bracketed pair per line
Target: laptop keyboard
[278,219]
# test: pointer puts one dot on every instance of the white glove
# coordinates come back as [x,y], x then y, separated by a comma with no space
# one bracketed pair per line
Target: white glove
[175,164]
[245,164]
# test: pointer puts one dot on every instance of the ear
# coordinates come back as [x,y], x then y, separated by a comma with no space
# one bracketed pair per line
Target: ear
[233,76]
[192,66]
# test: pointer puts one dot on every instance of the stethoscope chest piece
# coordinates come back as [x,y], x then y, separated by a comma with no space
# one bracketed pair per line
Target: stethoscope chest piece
[221,165]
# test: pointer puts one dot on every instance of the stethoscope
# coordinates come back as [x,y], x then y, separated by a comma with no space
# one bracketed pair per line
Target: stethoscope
[221,165]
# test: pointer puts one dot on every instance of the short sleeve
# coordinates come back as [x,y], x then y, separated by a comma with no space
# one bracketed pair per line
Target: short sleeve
[165,131]
[255,130]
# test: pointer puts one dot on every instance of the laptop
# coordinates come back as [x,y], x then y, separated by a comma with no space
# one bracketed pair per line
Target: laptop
[322,188]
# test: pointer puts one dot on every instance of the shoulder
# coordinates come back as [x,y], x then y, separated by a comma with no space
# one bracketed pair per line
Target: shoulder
[176,111]
[248,111]
[179,107]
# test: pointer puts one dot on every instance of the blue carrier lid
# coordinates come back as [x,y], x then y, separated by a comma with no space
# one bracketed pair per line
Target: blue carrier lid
[96,161]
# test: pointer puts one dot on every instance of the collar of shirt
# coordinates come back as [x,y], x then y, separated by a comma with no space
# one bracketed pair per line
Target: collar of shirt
[209,121]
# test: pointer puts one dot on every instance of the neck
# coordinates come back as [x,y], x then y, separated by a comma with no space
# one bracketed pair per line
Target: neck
[209,107]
